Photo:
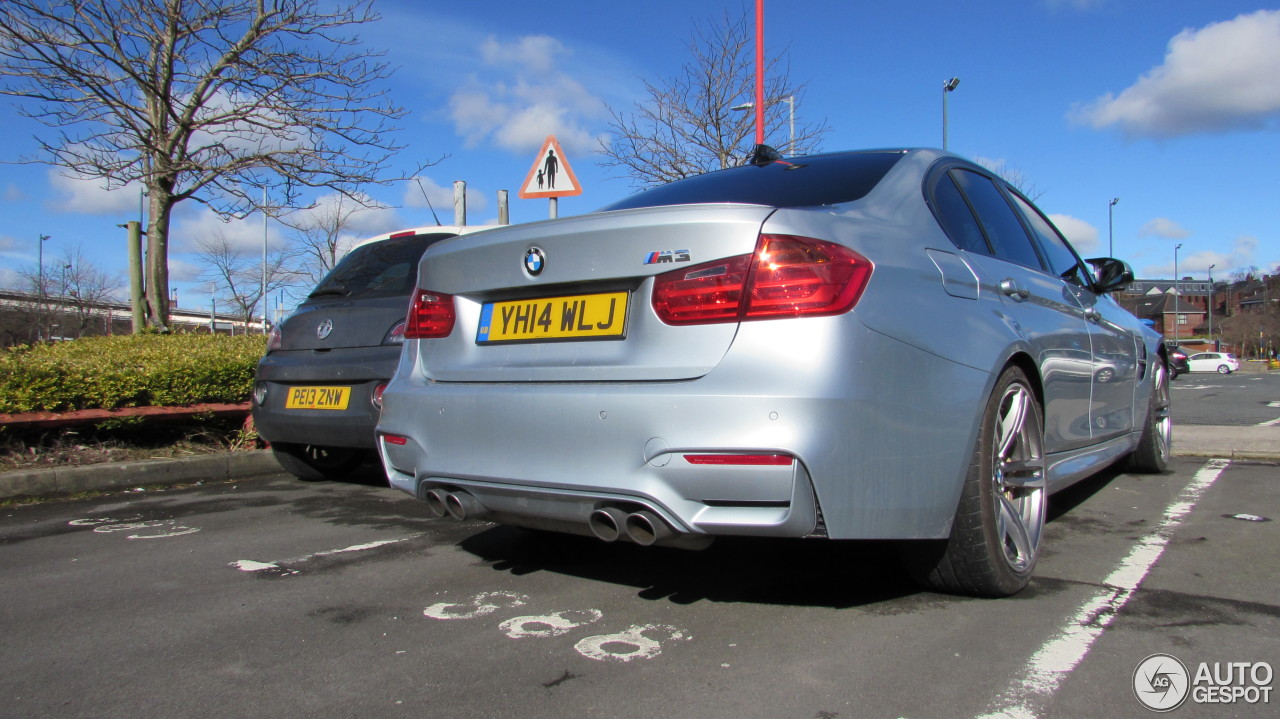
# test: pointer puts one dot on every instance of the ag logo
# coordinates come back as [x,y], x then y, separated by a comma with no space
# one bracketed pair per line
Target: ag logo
[534,260]
[324,329]
[1161,682]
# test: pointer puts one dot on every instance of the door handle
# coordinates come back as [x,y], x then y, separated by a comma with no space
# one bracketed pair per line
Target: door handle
[1093,315]
[1014,290]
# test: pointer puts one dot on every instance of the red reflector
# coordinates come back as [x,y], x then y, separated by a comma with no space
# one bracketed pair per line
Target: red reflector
[431,314]
[758,460]
[395,439]
[786,276]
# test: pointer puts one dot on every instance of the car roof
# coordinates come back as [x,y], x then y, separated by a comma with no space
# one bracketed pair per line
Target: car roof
[428,230]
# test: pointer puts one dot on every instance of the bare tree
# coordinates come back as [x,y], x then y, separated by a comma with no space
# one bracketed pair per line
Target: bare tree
[237,275]
[322,236]
[219,102]
[687,125]
[74,288]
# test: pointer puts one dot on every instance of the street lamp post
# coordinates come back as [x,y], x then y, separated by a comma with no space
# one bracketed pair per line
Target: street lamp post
[1215,346]
[1111,233]
[1175,291]
[40,269]
[791,120]
[947,88]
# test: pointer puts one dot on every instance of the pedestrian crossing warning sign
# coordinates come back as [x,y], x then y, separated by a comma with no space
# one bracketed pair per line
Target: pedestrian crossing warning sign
[550,175]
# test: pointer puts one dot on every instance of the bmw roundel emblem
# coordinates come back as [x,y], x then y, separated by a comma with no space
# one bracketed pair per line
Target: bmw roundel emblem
[324,329]
[534,261]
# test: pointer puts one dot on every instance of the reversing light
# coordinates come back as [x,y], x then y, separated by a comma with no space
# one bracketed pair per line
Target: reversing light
[431,315]
[754,460]
[786,276]
[260,393]
[376,398]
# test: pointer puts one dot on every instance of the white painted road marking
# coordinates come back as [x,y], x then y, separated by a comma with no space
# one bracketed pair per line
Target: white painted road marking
[638,641]
[1053,663]
[631,643]
[479,606]
[252,565]
[164,528]
[549,625]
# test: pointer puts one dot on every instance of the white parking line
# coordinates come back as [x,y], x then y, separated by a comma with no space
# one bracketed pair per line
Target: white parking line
[1027,696]
[252,565]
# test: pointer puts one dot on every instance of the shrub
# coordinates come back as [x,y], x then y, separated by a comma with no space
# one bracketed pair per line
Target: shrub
[128,371]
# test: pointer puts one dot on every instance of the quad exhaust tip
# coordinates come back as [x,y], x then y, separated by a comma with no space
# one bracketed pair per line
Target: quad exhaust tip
[458,505]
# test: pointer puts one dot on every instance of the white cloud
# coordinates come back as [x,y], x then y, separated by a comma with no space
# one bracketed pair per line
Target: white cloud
[519,96]
[1164,227]
[91,196]
[534,53]
[13,193]
[1196,264]
[10,278]
[1218,78]
[1082,235]
[441,199]
[243,236]
[358,224]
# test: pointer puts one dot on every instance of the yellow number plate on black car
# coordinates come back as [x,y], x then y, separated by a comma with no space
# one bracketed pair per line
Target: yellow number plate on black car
[554,318]
[317,398]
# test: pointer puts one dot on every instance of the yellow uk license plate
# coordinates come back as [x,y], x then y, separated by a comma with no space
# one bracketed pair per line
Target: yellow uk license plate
[595,316]
[318,398]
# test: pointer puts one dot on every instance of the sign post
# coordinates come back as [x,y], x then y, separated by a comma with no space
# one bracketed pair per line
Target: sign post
[550,176]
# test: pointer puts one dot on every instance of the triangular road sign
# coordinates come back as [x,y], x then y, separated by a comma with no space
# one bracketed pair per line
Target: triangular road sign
[550,175]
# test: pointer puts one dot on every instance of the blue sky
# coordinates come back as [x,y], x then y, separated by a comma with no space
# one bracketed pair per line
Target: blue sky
[1173,106]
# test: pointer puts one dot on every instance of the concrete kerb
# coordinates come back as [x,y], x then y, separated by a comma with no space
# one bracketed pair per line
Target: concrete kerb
[117,475]
[1241,443]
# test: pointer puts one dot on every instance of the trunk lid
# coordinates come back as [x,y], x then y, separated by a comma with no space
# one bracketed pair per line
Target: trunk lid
[579,272]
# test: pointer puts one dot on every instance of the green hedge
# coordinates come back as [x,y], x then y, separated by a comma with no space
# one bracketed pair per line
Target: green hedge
[128,371]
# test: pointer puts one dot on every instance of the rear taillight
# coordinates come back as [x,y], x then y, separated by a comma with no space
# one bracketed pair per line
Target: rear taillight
[430,315]
[787,276]
[275,340]
[395,335]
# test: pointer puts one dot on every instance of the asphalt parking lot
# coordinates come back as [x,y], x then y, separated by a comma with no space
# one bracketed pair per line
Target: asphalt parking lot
[270,597]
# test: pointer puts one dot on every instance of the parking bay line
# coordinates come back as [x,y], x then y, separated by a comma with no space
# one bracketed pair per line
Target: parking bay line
[1026,697]
[252,565]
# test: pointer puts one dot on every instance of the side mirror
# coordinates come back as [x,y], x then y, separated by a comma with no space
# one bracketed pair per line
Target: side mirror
[1110,274]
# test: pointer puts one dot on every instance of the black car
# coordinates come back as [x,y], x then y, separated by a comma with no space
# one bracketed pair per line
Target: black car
[1177,362]
[318,390]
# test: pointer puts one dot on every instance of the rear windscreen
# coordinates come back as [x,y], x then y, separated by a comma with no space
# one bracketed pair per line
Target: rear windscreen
[387,268]
[810,181]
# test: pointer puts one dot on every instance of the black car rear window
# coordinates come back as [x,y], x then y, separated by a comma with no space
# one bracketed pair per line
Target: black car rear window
[810,181]
[386,268]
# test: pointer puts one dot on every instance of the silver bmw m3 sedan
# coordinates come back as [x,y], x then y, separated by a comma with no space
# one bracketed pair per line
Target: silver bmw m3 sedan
[890,344]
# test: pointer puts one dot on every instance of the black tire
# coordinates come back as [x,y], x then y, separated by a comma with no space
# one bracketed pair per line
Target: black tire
[1223,369]
[999,524]
[1151,456]
[312,463]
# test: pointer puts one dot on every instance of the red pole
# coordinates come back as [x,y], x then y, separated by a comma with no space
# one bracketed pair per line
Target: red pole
[759,72]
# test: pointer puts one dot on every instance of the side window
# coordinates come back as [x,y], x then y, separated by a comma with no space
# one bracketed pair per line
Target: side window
[1009,241]
[957,219]
[1062,260]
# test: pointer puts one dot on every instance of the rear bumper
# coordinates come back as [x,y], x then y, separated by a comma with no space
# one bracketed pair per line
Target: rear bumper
[870,460]
[360,369]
